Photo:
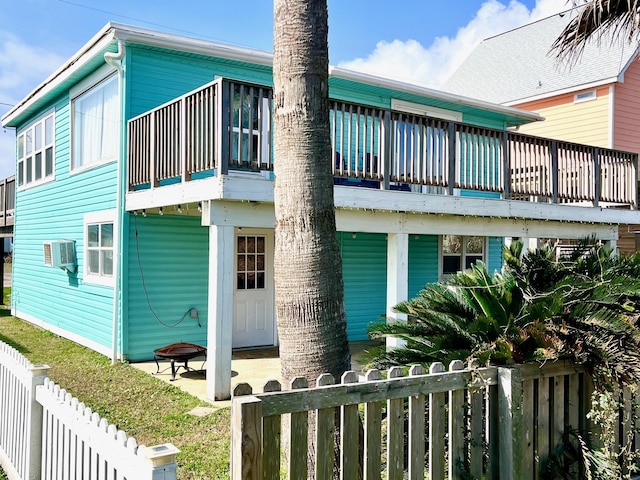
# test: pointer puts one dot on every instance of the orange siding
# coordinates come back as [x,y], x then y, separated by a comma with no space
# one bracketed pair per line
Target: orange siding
[627,111]
[583,122]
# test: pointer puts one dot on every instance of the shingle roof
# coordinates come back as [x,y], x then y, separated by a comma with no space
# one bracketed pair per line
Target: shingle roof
[516,65]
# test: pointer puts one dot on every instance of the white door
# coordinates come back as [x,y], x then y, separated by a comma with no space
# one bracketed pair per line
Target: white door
[254,314]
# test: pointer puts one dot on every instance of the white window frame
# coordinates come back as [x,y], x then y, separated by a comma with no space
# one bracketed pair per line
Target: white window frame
[88,85]
[100,218]
[587,96]
[23,169]
[463,254]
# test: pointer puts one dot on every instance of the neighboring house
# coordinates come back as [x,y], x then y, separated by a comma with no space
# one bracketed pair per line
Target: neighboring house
[594,100]
[145,173]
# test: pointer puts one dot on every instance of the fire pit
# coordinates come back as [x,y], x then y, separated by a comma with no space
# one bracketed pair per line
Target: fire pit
[179,352]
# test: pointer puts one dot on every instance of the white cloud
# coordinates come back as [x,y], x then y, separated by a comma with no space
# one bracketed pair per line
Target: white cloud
[409,61]
[22,67]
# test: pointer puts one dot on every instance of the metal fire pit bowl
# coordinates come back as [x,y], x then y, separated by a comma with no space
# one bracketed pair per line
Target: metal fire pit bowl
[180,352]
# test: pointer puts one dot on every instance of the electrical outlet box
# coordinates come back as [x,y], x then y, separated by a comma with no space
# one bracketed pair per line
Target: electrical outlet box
[194,313]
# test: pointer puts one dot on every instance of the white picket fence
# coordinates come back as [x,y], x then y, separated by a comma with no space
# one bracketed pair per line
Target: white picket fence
[46,434]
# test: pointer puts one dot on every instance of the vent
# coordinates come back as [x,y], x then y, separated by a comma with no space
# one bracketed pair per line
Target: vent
[60,254]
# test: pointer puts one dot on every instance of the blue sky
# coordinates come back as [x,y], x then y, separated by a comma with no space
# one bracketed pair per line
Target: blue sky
[420,41]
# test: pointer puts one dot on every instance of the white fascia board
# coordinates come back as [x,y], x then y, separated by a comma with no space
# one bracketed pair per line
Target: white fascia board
[564,91]
[98,43]
[430,224]
[262,215]
[177,194]
[254,188]
[362,198]
[191,45]
[374,80]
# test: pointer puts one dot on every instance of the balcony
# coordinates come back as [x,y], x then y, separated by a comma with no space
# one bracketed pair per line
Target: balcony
[225,127]
[7,204]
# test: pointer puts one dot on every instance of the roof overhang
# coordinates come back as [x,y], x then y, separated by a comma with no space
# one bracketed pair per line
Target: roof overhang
[106,39]
[566,91]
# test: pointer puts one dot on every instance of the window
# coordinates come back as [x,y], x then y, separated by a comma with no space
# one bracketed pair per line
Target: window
[35,152]
[460,252]
[585,96]
[96,119]
[99,248]
[250,258]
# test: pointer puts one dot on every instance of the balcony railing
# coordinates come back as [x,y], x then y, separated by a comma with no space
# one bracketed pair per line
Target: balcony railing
[7,201]
[226,125]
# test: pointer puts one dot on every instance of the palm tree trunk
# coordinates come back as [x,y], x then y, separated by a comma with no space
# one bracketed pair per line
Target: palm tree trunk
[308,269]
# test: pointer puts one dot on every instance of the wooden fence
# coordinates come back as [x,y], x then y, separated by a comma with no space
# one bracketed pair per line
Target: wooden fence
[47,434]
[494,423]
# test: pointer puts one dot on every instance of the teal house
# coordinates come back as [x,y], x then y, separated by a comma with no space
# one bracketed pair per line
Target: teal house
[144,194]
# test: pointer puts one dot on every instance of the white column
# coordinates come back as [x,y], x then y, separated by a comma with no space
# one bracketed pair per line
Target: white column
[397,278]
[220,318]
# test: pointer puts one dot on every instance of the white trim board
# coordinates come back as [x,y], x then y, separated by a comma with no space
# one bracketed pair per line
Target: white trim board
[104,350]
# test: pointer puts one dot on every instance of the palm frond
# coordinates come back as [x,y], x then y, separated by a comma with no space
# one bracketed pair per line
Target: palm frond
[596,20]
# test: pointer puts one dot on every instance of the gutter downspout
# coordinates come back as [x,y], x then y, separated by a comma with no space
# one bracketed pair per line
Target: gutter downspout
[115,60]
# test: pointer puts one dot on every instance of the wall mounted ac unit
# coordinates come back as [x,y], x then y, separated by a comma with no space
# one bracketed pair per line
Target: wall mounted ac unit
[61,254]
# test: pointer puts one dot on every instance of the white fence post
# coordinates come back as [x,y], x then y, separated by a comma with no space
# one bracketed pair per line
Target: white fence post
[20,414]
[39,373]
[163,461]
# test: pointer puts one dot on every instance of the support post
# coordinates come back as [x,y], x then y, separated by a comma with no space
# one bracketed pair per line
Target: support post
[397,278]
[220,312]
[510,417]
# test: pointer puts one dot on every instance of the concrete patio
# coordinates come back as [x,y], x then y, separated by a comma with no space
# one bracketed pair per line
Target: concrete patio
[254,367]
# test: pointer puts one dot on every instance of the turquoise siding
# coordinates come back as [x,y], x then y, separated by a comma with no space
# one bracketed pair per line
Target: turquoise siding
[494,260]
[173,254]
[51,295]
[423,262]
[157,76]
[364,269]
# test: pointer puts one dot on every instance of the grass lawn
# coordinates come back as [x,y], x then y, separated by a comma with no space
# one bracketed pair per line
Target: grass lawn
[144,407]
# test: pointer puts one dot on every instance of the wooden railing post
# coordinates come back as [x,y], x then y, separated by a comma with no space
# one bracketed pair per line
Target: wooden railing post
[554,171]
[224,130]
[597,177]
[182,141]
[387,149]
[451,161]
[246,438]
[634,183]
[510,418]
[506,166]
[153,177]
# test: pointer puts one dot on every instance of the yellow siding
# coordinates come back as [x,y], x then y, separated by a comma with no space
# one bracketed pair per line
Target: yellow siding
[584,122]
